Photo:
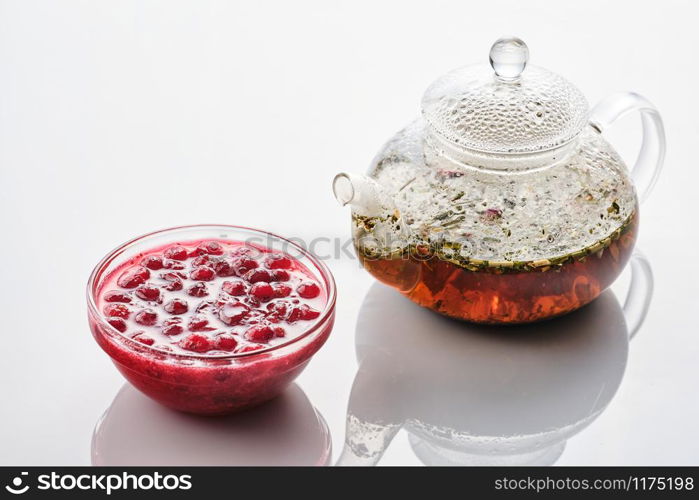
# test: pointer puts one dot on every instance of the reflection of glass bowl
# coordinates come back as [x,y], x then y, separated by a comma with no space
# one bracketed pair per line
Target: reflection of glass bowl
[200,383]
[477,394]
[134,431]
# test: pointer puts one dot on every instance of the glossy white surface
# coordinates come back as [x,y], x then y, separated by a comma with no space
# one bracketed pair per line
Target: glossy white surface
[117,118]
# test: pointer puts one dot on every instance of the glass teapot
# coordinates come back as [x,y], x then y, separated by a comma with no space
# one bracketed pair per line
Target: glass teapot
[503,202]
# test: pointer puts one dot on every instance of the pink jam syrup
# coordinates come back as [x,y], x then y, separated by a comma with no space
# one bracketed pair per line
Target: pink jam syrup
[183,309]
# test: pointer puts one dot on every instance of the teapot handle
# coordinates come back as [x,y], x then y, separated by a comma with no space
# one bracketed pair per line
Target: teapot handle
[650,159]
[640,293]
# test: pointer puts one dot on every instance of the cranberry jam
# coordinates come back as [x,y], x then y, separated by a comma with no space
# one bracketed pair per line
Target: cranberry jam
[211,297]
[211,325]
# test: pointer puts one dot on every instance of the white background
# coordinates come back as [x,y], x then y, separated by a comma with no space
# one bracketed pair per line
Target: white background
[118,118]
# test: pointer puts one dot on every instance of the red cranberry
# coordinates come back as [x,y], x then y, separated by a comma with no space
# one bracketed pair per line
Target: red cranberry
[226,342]
[252,301]
[172,330]
[204,306]
[274,317]
[179,274]
[278,311]
[210,247]
[491,214]
[174,282]
[308,313]
[173,265]
[308,290]
[118,323]
[259,333]
[262,291]
[203,273]
[233,312]
[171,326]
[280,275]
[201,260]
[117,296]
[198,290]
[152,262]
[197,323]
[278,331]
[176,252]
[176,306]
[302,312]
[133,277]
[243,265]
[257,275]
[243,249]
[278,261]
[294,315]
[146,317]
[234,288]
[280,305]
[224,267]
[196,343]
[143,338]
[148,292]
[117,311]
[281,290]
[250,348]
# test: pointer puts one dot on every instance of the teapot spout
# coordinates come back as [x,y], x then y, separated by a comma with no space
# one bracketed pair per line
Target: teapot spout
[364,195]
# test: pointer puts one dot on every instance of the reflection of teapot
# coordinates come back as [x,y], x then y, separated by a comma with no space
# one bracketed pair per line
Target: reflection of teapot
[136,431]
[470,394]
[503,203]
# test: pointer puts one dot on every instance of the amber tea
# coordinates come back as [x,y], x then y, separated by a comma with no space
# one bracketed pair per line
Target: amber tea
[505,292]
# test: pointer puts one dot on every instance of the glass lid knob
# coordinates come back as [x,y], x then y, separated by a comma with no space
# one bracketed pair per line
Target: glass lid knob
[508,57]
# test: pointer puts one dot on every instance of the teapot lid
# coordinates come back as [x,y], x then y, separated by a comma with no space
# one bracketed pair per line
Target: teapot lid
[510,108]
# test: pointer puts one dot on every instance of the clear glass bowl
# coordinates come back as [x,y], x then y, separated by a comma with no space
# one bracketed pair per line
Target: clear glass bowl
[210,384]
